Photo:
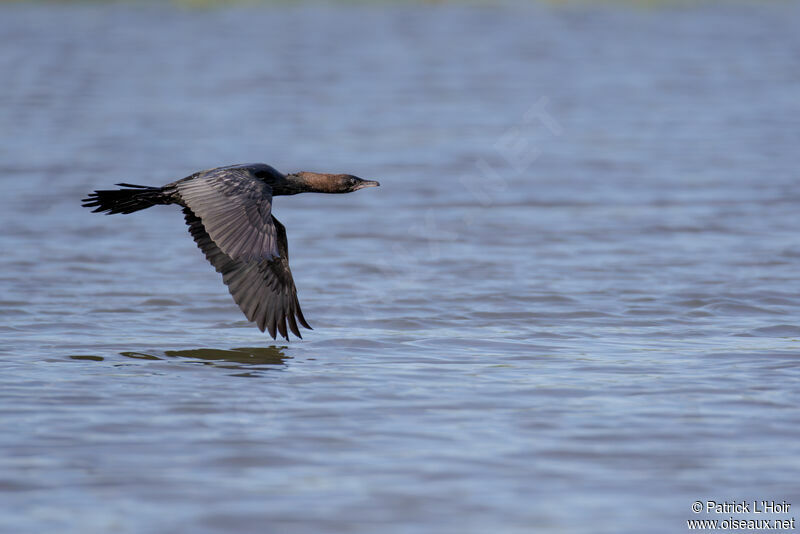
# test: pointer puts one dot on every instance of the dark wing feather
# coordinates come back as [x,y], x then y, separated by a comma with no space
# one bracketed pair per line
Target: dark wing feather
[263,289]
[235,207]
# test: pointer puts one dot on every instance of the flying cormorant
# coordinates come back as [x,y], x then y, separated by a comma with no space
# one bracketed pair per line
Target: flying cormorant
[229,213]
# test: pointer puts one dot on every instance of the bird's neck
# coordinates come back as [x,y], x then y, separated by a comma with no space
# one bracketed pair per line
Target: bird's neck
[286,185]
[301,182]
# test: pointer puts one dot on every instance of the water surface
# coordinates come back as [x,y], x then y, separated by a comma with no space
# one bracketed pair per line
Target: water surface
[573,305]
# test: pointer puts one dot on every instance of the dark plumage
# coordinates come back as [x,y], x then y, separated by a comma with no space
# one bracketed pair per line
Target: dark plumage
[229,213]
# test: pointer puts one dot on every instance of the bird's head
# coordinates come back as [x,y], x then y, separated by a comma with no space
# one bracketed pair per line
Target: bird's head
[332,183]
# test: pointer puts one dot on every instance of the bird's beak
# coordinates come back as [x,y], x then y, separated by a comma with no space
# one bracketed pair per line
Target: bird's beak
[367,183]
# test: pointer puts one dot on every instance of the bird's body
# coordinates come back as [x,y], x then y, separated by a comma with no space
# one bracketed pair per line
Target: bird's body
[229,214]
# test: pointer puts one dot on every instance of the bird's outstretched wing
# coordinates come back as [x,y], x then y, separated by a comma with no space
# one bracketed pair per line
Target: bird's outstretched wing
[263,289]
[235,208]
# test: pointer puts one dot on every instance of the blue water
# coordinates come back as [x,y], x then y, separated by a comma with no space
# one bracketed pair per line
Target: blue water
[572,306]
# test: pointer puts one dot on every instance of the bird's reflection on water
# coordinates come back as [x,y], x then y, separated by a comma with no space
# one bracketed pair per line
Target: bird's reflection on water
[247,359]
[271,355]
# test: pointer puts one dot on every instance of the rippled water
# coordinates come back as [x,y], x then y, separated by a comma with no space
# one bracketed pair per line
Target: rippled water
[572,306]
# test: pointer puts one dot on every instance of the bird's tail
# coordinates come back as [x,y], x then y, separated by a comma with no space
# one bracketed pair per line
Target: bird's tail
[132,198]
